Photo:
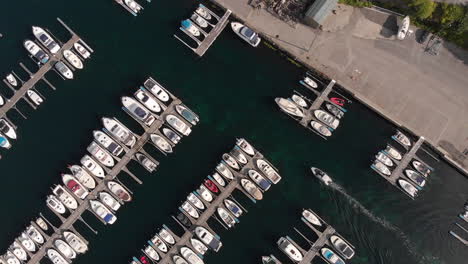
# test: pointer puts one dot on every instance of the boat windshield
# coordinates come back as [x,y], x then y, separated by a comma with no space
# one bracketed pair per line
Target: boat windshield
[249,33]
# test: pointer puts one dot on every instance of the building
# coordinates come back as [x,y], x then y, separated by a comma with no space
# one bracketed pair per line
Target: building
[319,10]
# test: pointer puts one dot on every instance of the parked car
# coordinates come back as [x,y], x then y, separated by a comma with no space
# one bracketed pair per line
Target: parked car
[424,36]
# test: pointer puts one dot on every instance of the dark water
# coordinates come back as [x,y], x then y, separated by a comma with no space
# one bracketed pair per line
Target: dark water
[232,89]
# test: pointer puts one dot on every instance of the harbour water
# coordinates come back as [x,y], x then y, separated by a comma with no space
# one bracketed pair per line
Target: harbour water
[232,88]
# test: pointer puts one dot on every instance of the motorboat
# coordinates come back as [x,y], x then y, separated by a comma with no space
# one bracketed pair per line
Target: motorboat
[219,179]
[63,69]
[337,112]
[73,59]
[199,246]
[35,235]
[171,135]
[310,83]
[4,142]
[196,201]
[178,125]
[289,107]
[226,217]
[109,201]
[108,143]
[159,243]
[179,260]
[161,143]
[238,155]
[101,154]
[408,187]
[2,101]
[134,6]
[326,118]
[464,216]
[224,171]
[299,101]
[45,39]
[35,98]
[42,224]
[245,146]
[270,260]
[137,110]
[84,53]
[65,197]
[83,176]
[102,212]
[190,256]
[166,236]
[205,194]
[74,186]
[246,33]
[146,162]
[382,157]
[65,249]
[311,217]
[415,177]
[12,80]
[202,11]
[331,257]
[190,28]
[152,253]
[271,173]
[259,180]
[402,139]
[187,114]
[36,51]
[55,204]
[421,168]
[403,28]
[55,257]
[10,258]
[182,218]
[230,161]
[119,191]
[251,189]
[211,186]
[290,249]
[75,242]
[157,89]
[119,131]
[233,208]
[209,239]
[147,100]
[27,242]
[392,152]
[380,167]
[338,101]
[321,128]
[7,129]
[342,247]
[18,251]
[327,180]
[189,209]
[143,260]
[199,20]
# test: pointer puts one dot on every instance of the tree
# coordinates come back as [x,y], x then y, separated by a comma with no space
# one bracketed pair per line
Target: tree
[451,13]
[422,9]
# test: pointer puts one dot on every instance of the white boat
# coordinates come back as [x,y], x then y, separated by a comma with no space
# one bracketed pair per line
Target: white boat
[271,173]
[55,204]
[84,53]
[7,129]
[157,89]
[231,161]
[134,6]
[166,236]
[109,201]
[152,253]
[36,51]
[246,33]
[224,171]
[311,217]
[146,162]
[233,207]
[119,131]
[178,125]
[415,177]
[299,101]
[147,100]
[83,176]
[199,246]
[55,257]
[102,212]
[63,69]
[202,11]
[330,256]
[251,189]
[384,159]
[259,180]
[205,193]
[189,209]
[392,152]
[326,118]
[75,242]
[159,243]
[245,146]
[190,28]
[74,186]
[238,155]
[171,135]
[65,197]
[161,143]
[289,249]
[321,128]
[10,258]
[119,191]
[190,256]
[402,139]
[65,249]
[408,187]
[27,242]
[100,154]
[226,217]
[219,179]
[421,168]
[73,59]
[403,28]
[12,80]
[196,201]
[199,20]
[309,82]
[335,110]
[18,251]
[42,224]
[270,260]
[464,216]
[35,235]
[380,167]
[37,100]
[2,101]
[108,143]
[137,110]
[342,247]
[288,106]
[179,260]
[45,39]
[209,239]
[327,180]
[4,142]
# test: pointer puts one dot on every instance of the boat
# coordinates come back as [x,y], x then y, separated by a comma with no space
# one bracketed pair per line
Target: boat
[108,143]
[55,257]
[2,101]
[271,173]
[289,107]
[109,201]
[10,258]
[45,39]
[415,177]
[202,11]
[205,194]
[146,162]
[455,235]
[190,256]
[384,159]
[37,100]
[199,20]
[4,142]
[270,260]
[331,257]
[392,152]
[64,197]
[179,260]
[403,28]
[190,28]
[152,253]
[211,186]
[119,191]
[196,201]
[166,236]
[35,235]
[63,70]
[421,168]
[189,209]
[102,212]
[238,155]
[83,176]
[12,80]
[311,217]
[464,216]
[233,207]
[226,217]
[159,243]
[380,167]
[326,118]
[147,100]
[408,187]
[231,161]
[251,189]
[74,186]
[342,247]
[224,171]
[161,143]
[310,83]
[84,53]
[259,180]
[18,251]
[198,246]
[73,59]
[137,110]
[92,166]
[337,101]
[187,114]
[144,260]
[65,249]
[157,89]
[75,242]
[327,180]
[321,128]
[402,139]
[171,135]
[178,125]
[36,51]
[27,242]
[337,112]
[42,224]
[134,6]
[7,129]
[245,146]
[119,131]
[184,219]
[290,249]
[101,155]
[299,101]
[219,179]
[55,204]
[209,239]
[246,34]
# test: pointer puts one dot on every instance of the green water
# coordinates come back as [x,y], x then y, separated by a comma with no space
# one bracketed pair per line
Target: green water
[232,89]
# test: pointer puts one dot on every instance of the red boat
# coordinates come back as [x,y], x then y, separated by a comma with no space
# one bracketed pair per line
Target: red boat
[338,101]
[144,260]
[211,186]
[73,185]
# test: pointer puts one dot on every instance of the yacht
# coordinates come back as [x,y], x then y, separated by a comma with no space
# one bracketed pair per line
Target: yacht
[196,201]
[55,257]
[157,89]
[219,179]
[42,224]
[464,216]
[321,128]
[101,155]
[392,152]
[119,131]
[311,217]
[187,114]
[251,189]
[161,143]
[309,82]
[102,211]
[290,249]
[224,171]
[190,210]
[209,239]
[63,70]
[73,59]
[178,125]
[211,186]
[331,257]
[403,28]
[337,112]
[259,180]
[233,207]
[137,110]
[238,155]
[246,34]
[75,186]
[35,98]
[27,242]
[84,53]
[199,20]
[55,204]
[171,135]
[82,176]
[271,173]
[146,162]
[270,260]
[152,253]
[35,235]
[190,28]
[299,101]
[2,101]
[179,260]
[65,249]
[144,98]
[384,159]
[231,161]
[226,217]
[402,139]
[202,11]
[205,194]
[109,201]
[134,6]
[10,258]
[408,187]
[289,107]
[159,243]
[245,146]
[190,256]
[380,167]
[4,142]
[108,143]
[342,247]
[65,197]
[36,51]
[166,236]
[18,251]
[119,191]
[7,129]
[326,118]
[75,242]
[415,177]
[199,246]
[45,39]
[12,80]
[321,176]
[421,168]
